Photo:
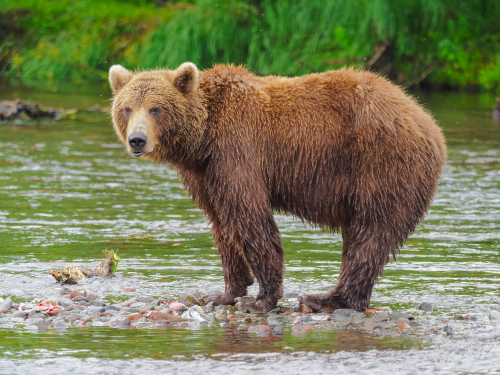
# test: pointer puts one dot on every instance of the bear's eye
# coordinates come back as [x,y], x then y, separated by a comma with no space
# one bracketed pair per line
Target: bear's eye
[127,111]
[155,111]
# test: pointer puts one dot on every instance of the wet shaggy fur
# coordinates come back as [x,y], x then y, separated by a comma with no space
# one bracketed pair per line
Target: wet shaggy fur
[344,150]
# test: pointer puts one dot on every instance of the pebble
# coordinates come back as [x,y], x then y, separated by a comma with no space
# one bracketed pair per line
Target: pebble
[448,330]
[130,309]
[6,304]
[146,299]
[273,322]
[243,327]
[119,321]
[261,330]
[111,308]
[304,309]
[299,329]
[96,310]
[425,306]
[291,295]
[20,314]
[278,330]
[158,315]
[60,325]
[64,302]
[129,290]
[494,315]
[191,298]
[80,298]
[97,303]
[75,293]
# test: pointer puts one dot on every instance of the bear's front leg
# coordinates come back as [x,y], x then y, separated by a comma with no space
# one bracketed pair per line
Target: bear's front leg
[264,254]
[246,224]
[237,275]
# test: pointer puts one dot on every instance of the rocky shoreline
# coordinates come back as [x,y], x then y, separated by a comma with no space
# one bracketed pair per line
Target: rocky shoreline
[74,308]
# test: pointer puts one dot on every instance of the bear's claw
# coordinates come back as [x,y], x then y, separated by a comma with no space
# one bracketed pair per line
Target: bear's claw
[322,302]
[252,305]
[219,299]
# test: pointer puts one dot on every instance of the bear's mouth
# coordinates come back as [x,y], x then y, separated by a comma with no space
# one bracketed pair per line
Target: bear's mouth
[138,153]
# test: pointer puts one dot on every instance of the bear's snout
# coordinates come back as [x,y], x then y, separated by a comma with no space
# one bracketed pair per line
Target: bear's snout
[137,141]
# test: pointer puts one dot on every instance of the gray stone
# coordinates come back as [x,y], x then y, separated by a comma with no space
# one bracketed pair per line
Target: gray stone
[395,315]
[96,310]
[278,330]
[80,299]
[305,319]
[341,318]
[111,307]
[209,307]
[272,322]
[97,303]
[143,325]
[494,315]
[60,325]
[448,330]
[64,302]
[191,298]
[119,321]
[138,305]
[131,310]
[40,323]
[215,292]
[243,327]
[291,295]
[20,314]
[425,306]
[146,299]
[346,312]
[6,304]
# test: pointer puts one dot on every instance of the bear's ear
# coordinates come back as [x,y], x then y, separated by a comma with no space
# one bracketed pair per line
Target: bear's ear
[118,77]
[186,78]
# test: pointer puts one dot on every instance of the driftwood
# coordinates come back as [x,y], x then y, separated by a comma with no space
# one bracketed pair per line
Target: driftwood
[27,110]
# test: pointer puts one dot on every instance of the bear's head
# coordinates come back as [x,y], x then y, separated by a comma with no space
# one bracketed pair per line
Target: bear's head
[158,114]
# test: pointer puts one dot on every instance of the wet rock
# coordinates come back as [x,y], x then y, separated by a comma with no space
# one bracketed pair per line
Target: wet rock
[80,299]
[146,299]
[273,322]
[209,307]
[111,308]
[144,325]
[64,302]
[129,290]
[119,321]
[403,326]
[395,315]
[299,329]
[191,298]
[28,110]
[60,325]
[320,317]
[425,306]
[278,330]
[215,292]
[138,305]
[20,314]
[97,303]
[448,330]
[374,323]
[261,330]
[402,321]
[132,310]
[494,315]
[134,317]
[243,327]
[56,312]
[341,318]
[291,295]
[91,297]
[220,316]
[96,310]
[157,315]
[305,319]
[6,304]
[75,293]
[346,312]
[473,318]
[40,323]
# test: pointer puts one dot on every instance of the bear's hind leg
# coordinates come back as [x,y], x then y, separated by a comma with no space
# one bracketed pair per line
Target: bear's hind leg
[364,256]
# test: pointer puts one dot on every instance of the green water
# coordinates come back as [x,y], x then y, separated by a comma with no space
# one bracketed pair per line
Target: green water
[68,190]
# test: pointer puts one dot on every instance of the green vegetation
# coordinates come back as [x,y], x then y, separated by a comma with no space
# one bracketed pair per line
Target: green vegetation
[453,43]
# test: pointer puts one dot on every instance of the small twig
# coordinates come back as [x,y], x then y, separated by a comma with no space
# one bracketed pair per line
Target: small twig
[302,63]
[422,76]
[377,55]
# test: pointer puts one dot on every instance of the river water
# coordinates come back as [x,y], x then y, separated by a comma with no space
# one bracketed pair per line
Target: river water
[68,190]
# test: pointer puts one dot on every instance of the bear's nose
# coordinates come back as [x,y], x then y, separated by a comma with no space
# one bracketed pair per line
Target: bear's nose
[137,140]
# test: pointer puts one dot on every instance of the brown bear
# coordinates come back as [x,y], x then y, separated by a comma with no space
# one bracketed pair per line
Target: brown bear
[343,150]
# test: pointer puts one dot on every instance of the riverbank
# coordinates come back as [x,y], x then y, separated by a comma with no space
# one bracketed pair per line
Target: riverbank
[429,43]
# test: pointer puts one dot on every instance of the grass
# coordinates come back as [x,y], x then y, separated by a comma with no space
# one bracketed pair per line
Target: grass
[453,43]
